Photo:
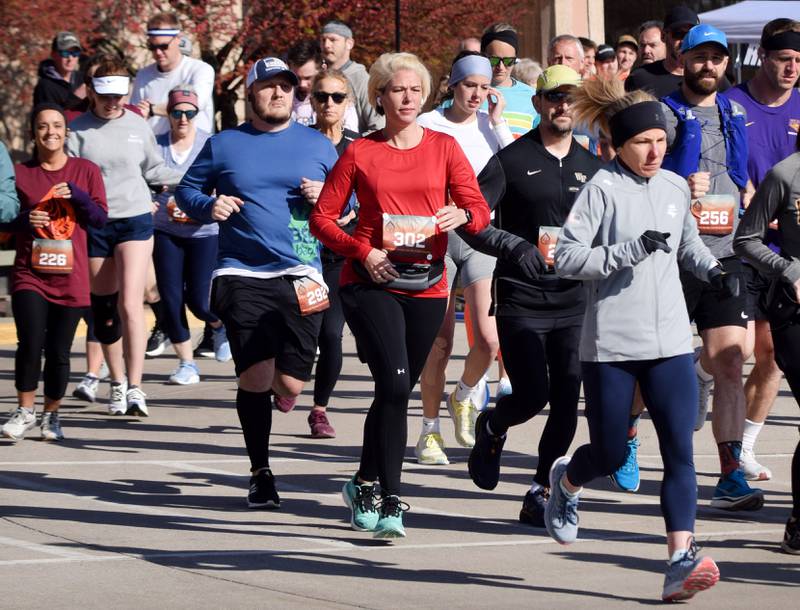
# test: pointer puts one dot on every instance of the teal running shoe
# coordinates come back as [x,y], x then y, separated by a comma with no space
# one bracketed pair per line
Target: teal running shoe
[626,478]
[390,523]
[360,499]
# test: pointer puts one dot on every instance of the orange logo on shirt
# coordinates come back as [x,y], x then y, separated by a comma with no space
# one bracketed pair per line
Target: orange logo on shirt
[794,125]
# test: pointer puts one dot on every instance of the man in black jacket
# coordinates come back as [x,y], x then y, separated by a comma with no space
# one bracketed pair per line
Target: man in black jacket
[531,185]
[60,80]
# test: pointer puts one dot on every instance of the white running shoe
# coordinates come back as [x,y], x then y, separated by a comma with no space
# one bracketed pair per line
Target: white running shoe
[753,471]
[136,403]
[117,405]
[186,374]
[430,449]
[51,427]
[87,388]
[463,415]
[19,423]
[703,392]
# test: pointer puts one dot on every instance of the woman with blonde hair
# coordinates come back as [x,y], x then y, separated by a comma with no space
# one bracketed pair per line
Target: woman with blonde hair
[394,289]
[629,228]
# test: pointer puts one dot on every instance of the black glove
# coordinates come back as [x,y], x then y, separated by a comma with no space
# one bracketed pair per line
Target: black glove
[528,258]
[653,240]
[726,284]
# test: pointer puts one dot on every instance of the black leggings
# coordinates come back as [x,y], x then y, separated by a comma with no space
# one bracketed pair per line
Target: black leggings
[394,333]
[669,389]
[787,354]
[329,363]
[42,325]
[541,357]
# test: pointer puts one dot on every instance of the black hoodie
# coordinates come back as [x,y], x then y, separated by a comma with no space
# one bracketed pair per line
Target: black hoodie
[54,89]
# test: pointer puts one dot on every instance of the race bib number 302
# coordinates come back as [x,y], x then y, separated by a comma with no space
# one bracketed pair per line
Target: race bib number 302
[409,235]
[548,238]
[312,296]
[714,214]
[52,256]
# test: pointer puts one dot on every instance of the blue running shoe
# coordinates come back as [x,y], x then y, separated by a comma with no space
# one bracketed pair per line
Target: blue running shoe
[688,576]
[390,523]
[561,512]
[222,348]
[733,493]
[503,389]
[360,499]
[626,478]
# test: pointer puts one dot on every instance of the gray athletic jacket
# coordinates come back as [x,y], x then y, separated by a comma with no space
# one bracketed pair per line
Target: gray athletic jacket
[635,308]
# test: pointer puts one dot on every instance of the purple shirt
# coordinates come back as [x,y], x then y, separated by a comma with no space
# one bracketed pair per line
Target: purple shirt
[771,130]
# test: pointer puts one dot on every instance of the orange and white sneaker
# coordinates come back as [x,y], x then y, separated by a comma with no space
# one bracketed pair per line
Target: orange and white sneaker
[689,575]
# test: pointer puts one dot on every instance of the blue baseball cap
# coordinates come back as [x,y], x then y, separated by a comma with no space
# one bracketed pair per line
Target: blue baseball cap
[704,34]
[269,67]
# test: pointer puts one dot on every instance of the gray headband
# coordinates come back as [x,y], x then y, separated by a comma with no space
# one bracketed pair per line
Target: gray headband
[469,65]
[337,28]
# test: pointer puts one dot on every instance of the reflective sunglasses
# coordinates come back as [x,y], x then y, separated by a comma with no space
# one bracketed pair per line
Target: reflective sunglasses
[177,114]
[556,97]
[158,47]
[494,60]
[70,53]
[322,97]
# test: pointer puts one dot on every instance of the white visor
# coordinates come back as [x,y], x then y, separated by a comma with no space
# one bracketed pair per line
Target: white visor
[111,85]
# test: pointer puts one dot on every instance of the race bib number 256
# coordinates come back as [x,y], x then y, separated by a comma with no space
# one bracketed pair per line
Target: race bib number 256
[714,214]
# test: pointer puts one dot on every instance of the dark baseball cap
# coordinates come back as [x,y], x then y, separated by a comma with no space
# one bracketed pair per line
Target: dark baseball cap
[64,41]
[680,15]
[604,53]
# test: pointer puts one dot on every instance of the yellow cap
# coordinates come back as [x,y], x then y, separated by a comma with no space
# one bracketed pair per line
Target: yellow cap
[557,76]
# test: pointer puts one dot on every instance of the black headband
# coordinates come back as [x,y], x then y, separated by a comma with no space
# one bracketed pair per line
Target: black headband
[784,40]
[636,119]
[507,36]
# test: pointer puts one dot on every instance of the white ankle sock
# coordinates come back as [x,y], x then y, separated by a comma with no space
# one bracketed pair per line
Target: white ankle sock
[463,391]
[751,432]
[430,426]
[701,372]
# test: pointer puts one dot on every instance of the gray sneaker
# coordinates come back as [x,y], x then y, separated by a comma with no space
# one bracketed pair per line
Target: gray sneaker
[689,575]
[561,512]
[19,423]
[117,405]
[51,427]
[87,388]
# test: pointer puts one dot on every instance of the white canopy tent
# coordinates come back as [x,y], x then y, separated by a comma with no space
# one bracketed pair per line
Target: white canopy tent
[742,23]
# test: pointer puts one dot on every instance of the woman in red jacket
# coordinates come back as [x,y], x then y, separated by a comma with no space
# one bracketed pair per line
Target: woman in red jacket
[393,284]
[60,197]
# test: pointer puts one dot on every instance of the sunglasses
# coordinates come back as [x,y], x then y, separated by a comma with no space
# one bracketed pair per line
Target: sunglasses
[322,97]
[556,97]
[177,114]
[70,53]
[494,60]
[158,47]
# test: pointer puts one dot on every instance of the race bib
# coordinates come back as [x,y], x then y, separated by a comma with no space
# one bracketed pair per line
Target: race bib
[714,214]
[312,296]
[548,238]
[409,236]
[176,214]
[52,256]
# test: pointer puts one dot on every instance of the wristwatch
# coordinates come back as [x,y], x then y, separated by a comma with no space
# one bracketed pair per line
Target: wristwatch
[468,214]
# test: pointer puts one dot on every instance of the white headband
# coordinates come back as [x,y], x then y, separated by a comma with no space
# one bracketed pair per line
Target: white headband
[111,85]
[163,32]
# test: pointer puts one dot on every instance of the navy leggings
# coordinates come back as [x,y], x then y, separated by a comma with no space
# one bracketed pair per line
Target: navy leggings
[329,363]
[669,389]
[183,274]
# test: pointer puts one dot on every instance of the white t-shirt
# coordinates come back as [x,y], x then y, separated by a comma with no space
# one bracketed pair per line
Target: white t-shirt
[478,139]
[153,85]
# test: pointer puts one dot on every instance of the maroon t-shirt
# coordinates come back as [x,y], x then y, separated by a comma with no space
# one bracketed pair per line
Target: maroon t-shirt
[89,203]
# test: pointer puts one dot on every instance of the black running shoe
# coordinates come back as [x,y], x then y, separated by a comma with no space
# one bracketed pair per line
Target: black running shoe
[156,343]
[205,349]
[484,459]
[533,505]
[791,537]
[262,491]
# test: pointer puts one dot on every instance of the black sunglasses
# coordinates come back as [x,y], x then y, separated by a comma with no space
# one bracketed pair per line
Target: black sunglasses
[177,114]
[322,97]
[158,47]
[494,60]
[556,97]
[70,53]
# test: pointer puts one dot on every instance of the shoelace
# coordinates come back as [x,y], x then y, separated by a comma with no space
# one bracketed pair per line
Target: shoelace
[117,393]
[568,511]
[392,506]
[629,465]
[17,415]
[136,394]
[364,500]
[431,440]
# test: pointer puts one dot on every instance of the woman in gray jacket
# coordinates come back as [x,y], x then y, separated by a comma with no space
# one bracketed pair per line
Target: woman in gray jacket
[627,232]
